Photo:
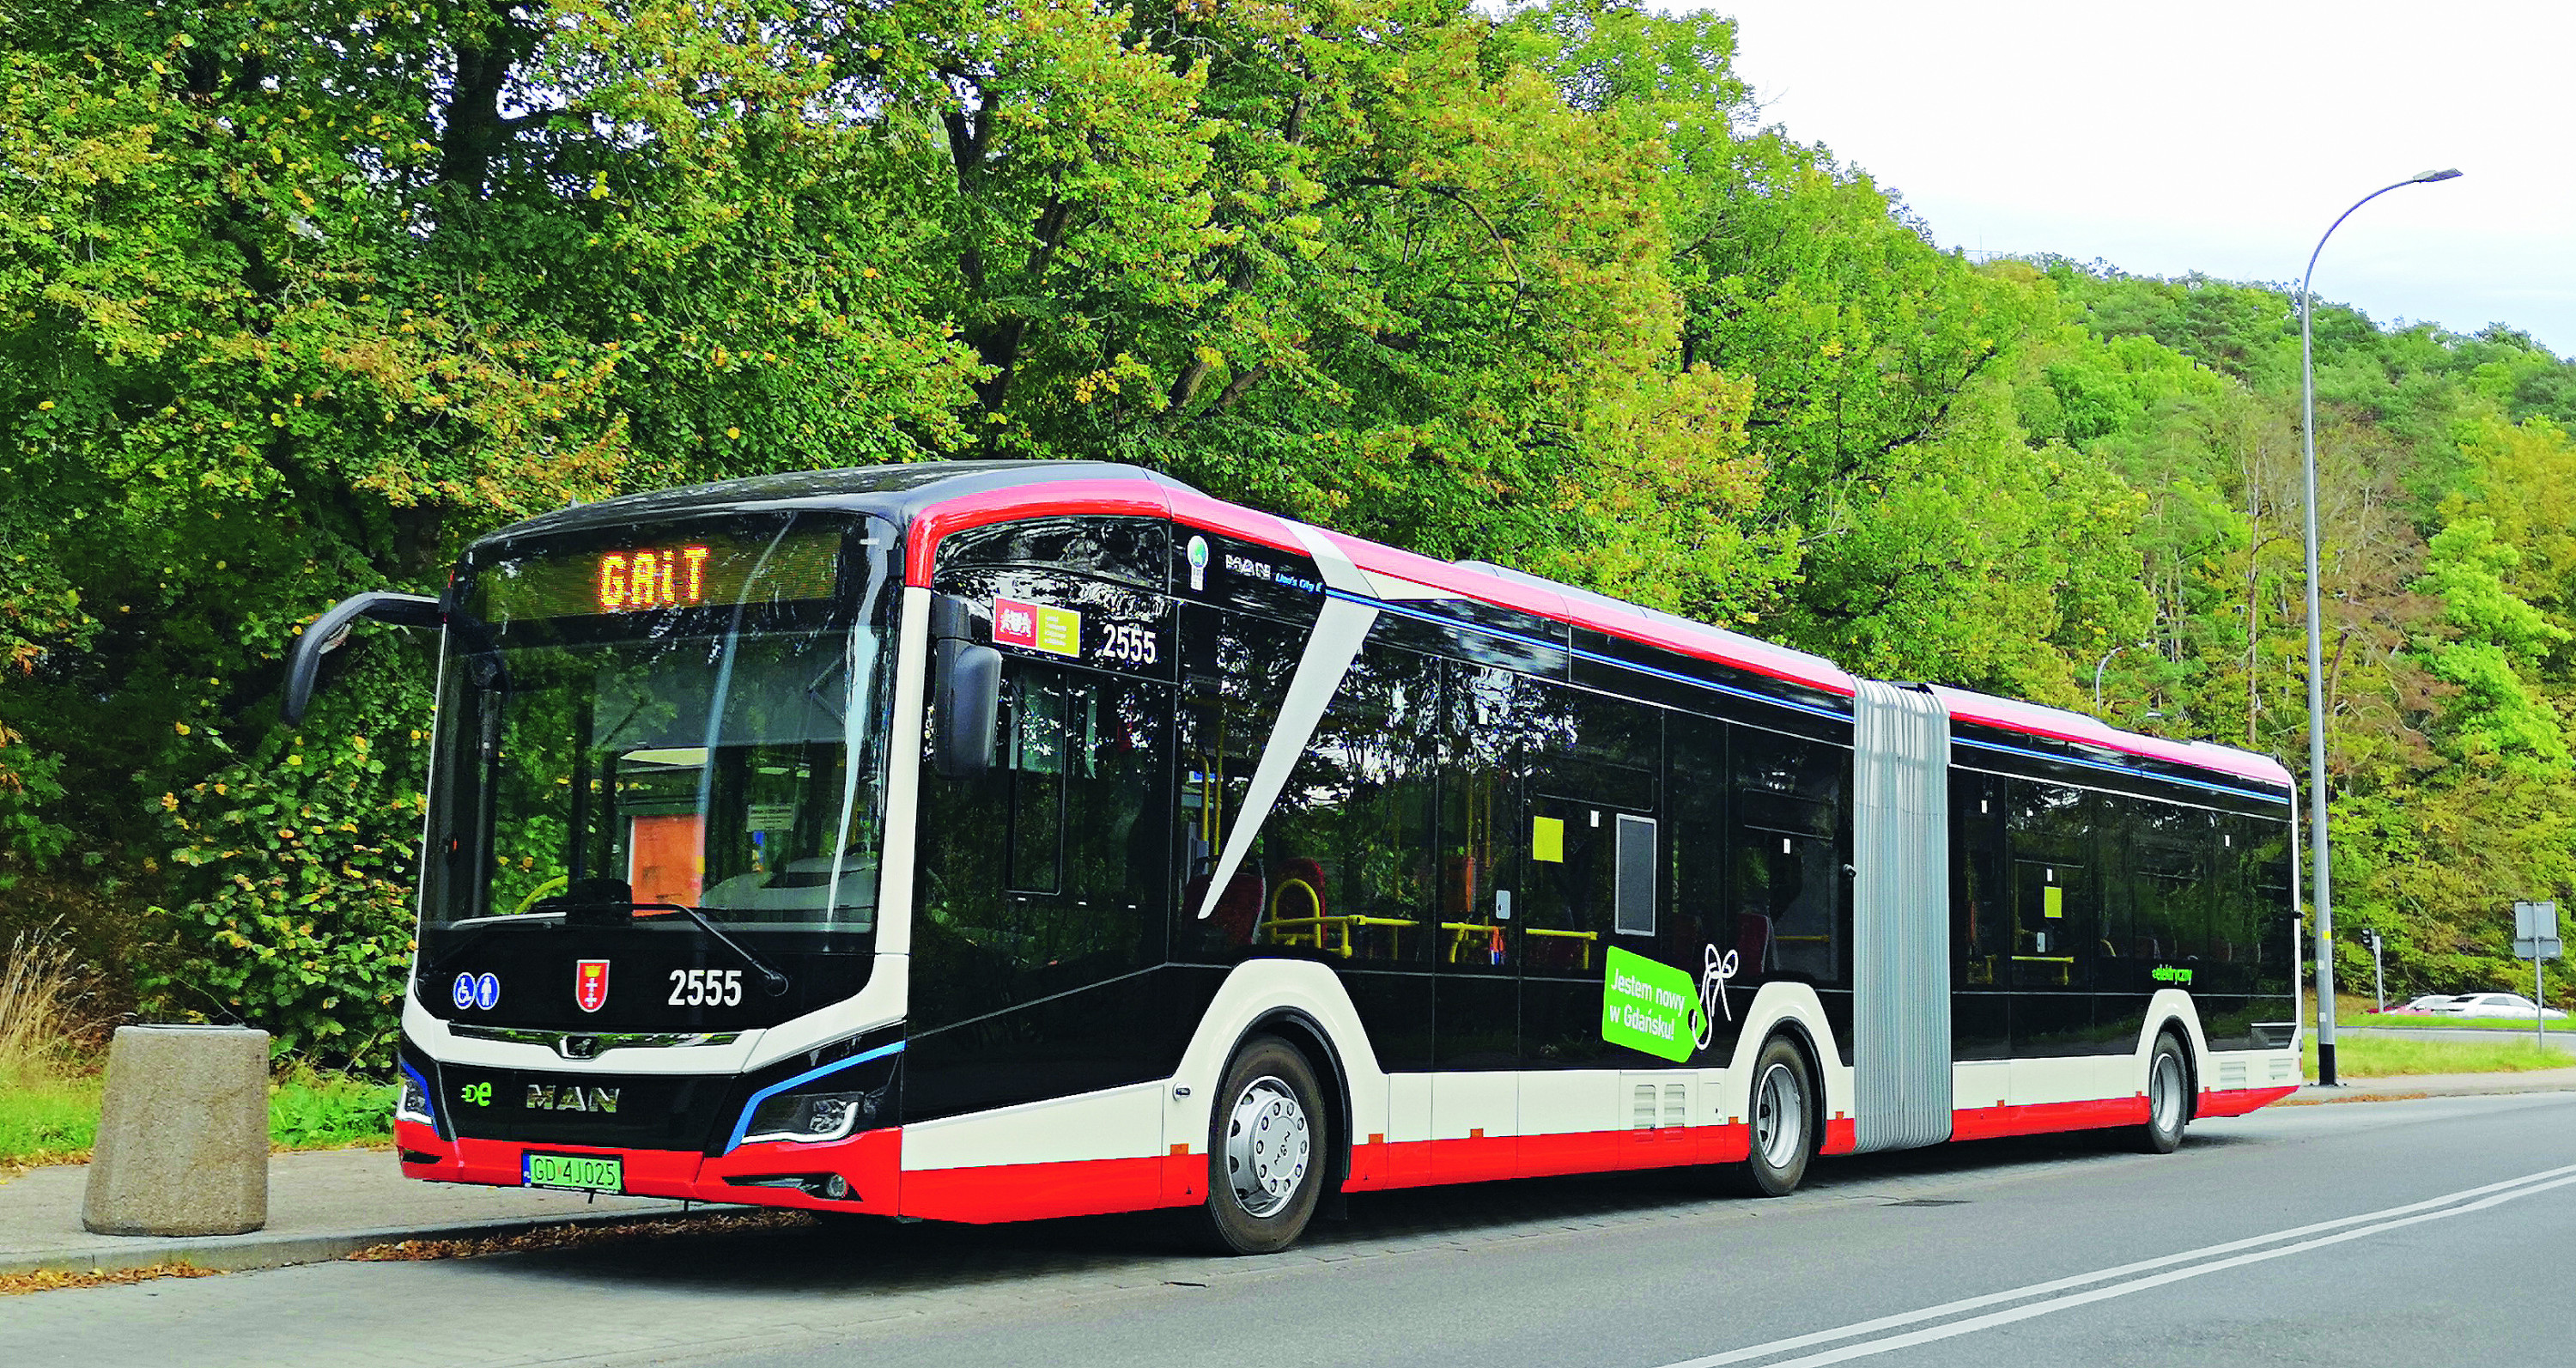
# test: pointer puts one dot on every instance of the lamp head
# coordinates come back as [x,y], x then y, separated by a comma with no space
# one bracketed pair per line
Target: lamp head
[2428,177]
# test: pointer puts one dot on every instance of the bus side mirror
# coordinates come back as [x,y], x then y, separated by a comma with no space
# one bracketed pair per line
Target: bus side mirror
[966,693]
[304,663]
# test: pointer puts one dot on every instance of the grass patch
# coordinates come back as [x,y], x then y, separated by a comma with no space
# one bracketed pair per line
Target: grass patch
[310,1109]
[2365,1056]
[54,1119]
[47,1120]
[2367,1020]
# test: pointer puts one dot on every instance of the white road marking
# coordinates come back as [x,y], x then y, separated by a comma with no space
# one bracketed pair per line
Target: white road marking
[2389,1219]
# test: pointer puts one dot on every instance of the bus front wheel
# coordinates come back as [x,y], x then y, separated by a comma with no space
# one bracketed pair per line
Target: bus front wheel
[1266,1150]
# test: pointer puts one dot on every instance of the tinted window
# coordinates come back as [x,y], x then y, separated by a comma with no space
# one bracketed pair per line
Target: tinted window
[1235,670]
[1788,890]
[1345,858]
[1130,550]
[1049,872]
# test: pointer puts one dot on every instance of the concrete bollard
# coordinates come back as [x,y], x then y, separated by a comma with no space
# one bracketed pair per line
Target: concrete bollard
[183,1135]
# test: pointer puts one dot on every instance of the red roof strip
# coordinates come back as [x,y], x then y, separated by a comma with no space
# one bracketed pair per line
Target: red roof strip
[1139,497]
[1693,639]
[1062,498]
[2035,719]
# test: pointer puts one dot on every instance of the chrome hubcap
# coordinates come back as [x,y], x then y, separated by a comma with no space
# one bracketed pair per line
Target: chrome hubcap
[1779,1116]
[2164,1093]
[1267,1144]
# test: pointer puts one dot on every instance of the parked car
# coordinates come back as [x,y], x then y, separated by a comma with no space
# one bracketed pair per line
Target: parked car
[2498,1005]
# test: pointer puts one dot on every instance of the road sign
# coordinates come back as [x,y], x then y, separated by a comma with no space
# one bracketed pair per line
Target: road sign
[2535,931]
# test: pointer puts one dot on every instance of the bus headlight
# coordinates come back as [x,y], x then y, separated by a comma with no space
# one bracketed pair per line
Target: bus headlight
[414,1104]
[810,1116]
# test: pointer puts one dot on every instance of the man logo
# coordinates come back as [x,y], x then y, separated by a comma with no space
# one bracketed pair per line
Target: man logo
[590,984]
[570,1098]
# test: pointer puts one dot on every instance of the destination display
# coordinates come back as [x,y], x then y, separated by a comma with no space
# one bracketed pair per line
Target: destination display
[716,570]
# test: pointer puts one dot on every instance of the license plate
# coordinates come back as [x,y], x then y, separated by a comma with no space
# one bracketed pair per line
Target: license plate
[578,1172]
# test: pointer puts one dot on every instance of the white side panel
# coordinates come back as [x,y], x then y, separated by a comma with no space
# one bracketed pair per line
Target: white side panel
[1408,1108]
[1114,1123]
[903,777]
[1774,1006]
[1574,1101]
[1468,1104]
[1253,990]
[1981,1083]
[2068,1079]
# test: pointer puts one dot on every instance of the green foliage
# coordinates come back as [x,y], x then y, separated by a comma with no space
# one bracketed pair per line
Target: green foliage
[54,1119]
[312,1109]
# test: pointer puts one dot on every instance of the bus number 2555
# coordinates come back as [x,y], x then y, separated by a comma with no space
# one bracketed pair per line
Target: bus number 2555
[706,987]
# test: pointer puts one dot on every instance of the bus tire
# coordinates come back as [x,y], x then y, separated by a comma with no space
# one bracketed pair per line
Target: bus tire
[2168,1098]
[1782,1124]
[1267,1138]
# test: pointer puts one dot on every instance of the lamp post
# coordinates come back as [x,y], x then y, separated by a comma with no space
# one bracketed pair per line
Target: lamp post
[2098,667]
[2323,898]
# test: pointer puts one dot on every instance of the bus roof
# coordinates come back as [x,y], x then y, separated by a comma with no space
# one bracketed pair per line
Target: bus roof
[935,499]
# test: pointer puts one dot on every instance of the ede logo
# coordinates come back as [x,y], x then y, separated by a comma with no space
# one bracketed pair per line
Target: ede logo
[590,984]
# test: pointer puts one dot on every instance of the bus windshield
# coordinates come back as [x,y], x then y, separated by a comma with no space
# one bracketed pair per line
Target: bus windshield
[681,718]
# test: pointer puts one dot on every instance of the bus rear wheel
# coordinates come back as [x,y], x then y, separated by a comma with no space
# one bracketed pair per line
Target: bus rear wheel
[1782,1123]
[1266,1150]
[2168,1099]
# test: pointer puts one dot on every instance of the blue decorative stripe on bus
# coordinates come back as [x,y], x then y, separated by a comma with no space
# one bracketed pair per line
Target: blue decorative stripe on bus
[1595,657]
[2123,771]
[742,1124]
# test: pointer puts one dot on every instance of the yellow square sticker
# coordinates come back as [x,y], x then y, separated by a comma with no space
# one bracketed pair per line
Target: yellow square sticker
[1060,631]
[1547,839]
[2052,901]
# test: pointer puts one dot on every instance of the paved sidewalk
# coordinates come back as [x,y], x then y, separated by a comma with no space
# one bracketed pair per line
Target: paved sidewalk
[321,1205]
[2436,1085]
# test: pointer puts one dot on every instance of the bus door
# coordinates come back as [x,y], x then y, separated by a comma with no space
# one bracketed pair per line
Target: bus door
[2056,923]
[1476,942]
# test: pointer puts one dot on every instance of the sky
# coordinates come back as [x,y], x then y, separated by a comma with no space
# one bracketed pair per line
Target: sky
[2221,138]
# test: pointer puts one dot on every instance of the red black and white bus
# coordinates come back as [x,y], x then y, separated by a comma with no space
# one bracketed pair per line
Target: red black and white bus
[988,841]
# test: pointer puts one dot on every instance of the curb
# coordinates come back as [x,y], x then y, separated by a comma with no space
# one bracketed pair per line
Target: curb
[243,1253]
[2397,1090]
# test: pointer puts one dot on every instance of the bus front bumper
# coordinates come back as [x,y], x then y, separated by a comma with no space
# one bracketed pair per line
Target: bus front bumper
[775,1173]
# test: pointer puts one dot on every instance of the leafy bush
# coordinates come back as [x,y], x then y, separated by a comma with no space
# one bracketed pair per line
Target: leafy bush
[291,903]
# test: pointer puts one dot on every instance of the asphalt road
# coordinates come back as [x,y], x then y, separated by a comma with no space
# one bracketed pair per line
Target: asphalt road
[2397,1232]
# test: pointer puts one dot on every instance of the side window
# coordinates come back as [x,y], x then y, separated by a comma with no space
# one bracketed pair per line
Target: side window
[2169,883]
[1589,825]
[1049,873]
[1345,857]
[1235,670]
[1789,892]
[1130,551]
[1980,927]
[2056,911]
[1697,845]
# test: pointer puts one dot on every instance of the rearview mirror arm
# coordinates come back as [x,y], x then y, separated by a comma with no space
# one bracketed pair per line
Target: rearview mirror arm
[304,663]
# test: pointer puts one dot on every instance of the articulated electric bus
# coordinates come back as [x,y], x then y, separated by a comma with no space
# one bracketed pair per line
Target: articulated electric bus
[999,840]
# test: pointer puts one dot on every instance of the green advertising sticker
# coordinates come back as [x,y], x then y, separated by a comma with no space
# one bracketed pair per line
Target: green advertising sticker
[1650,1006]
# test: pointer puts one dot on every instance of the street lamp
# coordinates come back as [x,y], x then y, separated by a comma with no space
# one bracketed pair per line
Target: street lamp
[2316,649]
[2100,665]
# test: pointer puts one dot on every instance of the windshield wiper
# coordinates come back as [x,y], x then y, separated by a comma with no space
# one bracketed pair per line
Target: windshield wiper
[777,981]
